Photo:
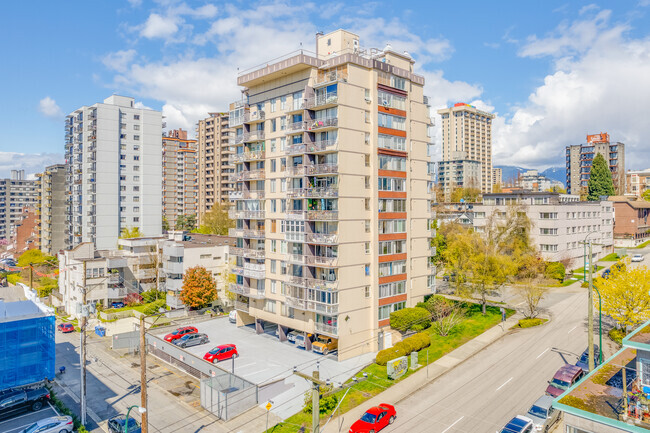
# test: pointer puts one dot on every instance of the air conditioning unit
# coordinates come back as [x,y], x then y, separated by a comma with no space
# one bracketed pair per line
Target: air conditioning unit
[368,100]
[385,103]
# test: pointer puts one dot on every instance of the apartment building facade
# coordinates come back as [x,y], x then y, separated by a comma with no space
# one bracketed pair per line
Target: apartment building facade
[579,159]
[560,222]
[16,193]
[215,165]
[632,223]
[497,176]
[113,153]
[637,182]
[467,135]
[531,180]
[331,203]
[179,180]
[51,209]
[458,173]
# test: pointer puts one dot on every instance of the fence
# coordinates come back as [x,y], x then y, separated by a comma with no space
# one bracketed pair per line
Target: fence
[126,340]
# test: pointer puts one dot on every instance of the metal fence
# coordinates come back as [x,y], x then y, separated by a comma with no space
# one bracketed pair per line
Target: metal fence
[126,340]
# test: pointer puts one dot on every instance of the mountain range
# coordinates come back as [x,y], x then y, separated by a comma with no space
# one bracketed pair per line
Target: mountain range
[511,172]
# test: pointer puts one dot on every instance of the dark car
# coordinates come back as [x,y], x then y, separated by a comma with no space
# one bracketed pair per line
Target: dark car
[180,332]
[117,304]
[116,425]
[190,340]
[219,353]
[374,419]
[565,377]
[15,401]
[519,424]
[448,278]
[583,361]
[65,327]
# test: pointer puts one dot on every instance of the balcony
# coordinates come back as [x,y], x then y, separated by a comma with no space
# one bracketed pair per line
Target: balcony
[316,192]
[321,261]
[247,253]
[247,234]
[315,147]
[322,101]
[296,170]
[330,77]
[113,278]
[306,305]
[322,215]
[250,270]
[322,124]
[247,175]
[258,155]
[239,139]
[253,136]
[322,238]
[247,291]
[253,116]
[296,258]
[322,328]
[294,237]
[296,127]
[322,169]
[246,195]
[245,214]
[241,306]
[313,283]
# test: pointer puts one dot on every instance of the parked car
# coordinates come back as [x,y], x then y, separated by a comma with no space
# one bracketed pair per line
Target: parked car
[189,340]
[519,424]
[180,332]
[55,424]
[583,361]
[448,278]
[15,401]
[542,414]
[117,304]
[116,425]
[565,377]
[637,258]
[219,353]
[324,344]
[300,340]
[65,327]
[375,419]
[291,336]
[232,316]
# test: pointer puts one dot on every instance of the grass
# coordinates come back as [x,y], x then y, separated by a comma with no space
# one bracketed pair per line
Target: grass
[473,325]
[613,257]
[529,323]
[643,245]
[564,283]
[582,270]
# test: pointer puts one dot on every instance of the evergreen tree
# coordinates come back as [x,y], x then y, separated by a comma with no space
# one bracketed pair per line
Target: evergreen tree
[600,180]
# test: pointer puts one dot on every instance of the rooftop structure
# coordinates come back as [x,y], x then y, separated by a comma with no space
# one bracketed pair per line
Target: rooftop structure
[579,159]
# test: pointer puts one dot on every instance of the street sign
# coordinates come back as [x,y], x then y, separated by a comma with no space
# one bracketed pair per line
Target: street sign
[268,406]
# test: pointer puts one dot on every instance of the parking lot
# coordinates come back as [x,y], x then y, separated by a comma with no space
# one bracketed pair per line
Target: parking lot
[263,359]
[21,421]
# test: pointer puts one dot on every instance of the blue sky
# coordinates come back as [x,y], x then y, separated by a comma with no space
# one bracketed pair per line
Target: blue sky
[552,71]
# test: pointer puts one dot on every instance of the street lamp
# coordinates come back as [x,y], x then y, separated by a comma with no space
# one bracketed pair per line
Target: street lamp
[142,410]
[590,311]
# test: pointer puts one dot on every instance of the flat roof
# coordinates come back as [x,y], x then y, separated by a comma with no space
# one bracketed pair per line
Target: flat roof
[199,240]
[18,310]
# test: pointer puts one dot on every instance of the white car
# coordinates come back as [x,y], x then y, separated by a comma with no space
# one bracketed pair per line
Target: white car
[55,424]
[637,258]
[232,316]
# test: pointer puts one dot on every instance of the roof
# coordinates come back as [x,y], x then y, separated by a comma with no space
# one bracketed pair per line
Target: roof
[518,423]
[567,372]
[544,401]
[637,204]
[201,241]
[19,310]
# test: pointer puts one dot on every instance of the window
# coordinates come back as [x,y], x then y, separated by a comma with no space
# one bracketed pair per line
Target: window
[273,125]
[122,177]
[548,215]
[391,100]
[392,289]
[136,209]
[136,188]
[391,184]
[122,219]
[392,247]
[122,157]
[136,178]
[136,117]
[136,199]
[548,248]
[367,224]
[136,147]
[367,203]
[385,310]
[273,286]
[136,219]
[391,142]
[367,247]
[283,102]
[272,183]
[136,127]
[273,165]
[136,157]
[367,160]
[273,145]
[274,267]
[273,105]
[366,116]
[366,291]
[395,163]
[551,231]
[391,122]
[269,306]
[392,268]
[136,168]
[122,187]
[392,226]
[392,205]
[136,137]
[367,182]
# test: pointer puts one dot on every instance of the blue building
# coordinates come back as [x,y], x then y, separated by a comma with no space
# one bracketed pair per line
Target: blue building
[27,347]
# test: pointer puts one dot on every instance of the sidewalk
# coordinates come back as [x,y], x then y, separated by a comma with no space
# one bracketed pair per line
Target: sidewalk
[424,376]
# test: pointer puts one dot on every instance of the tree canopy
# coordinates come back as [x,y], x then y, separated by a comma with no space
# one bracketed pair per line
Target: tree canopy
[626,295]
[216,221]
[199,288]
[131,232]
[600,180]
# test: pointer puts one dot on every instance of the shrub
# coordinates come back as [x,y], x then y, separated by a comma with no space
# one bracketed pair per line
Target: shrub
[616,335]
[529,323]
[44,291]
[383,356]
[555,271]
[326,405]
[153,307]
[152,295]
[408,318]
[133,299]
[13,279]
[424,339]
[438,306]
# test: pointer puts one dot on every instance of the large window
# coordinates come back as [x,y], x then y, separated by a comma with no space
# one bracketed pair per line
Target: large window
[548,215]
[391,184]
[387,99]
[392,289]
[392,226]
[392,205]
[385,310]
[392,142]
[392,247]
[388,162]
[392,268]
[392,122]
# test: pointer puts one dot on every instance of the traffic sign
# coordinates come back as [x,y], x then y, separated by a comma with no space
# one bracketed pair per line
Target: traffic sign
[268,406]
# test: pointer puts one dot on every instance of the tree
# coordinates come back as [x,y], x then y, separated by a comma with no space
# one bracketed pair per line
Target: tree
[646,195]
[180,222]
[558,189]
[31,257]
[469,194]
[165,224]
[216,221]
[600,180]
[228,277]
[190,222]
[199,288]
[131,232]
[531,288]
[626,295]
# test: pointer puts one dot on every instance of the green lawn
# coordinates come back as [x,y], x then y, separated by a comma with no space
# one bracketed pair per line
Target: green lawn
[643,245]
[582,270]
[474,325]
[563,283]
[613,257]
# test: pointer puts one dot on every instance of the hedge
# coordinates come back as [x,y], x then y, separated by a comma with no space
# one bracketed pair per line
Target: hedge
[414,343]
[555,271]
[416,318]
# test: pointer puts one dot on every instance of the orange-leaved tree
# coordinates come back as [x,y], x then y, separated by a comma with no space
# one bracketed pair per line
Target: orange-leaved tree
[199,288]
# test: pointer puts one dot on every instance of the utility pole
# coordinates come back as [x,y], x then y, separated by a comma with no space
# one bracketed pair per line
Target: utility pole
[82,325]
[31,276]
[590,311]
[143,377]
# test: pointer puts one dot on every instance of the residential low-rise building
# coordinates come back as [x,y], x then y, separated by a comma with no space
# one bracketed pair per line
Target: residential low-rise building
[531,180]
[637,182]
[560,223]
[631,225]
[26,232]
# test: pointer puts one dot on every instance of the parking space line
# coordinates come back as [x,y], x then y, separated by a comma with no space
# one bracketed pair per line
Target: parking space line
[572,329]
[55,411]
[259,371]
[20,416]
[545,350]
[245,365]
[504,384]
[455,422]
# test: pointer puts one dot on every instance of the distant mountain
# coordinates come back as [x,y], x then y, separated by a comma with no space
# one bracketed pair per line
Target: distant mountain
[512,171]
[555,173]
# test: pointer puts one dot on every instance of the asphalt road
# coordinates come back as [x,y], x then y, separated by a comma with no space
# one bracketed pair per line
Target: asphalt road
[23,420]
[483,393]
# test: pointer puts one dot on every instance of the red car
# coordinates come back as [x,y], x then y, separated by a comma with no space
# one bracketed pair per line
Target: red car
[219,353]
[375,419]
[180,332]
[65,327]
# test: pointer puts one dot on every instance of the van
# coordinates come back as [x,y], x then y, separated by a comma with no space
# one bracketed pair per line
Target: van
[564,379]
[324,344]
[300,340]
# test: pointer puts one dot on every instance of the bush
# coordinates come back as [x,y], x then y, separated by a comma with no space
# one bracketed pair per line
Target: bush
[132,299]
[438,306]
[529,323]
[152,295]
[383,356]
[414,343]
[555,271]
[13,279]
[153,307]
[616,335]
[410,318]
[424,339]
[44,291]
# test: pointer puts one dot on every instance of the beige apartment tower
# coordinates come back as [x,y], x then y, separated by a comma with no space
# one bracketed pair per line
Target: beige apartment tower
[180,190]
[331,204]
[214,164]
[51,209]
[467,135]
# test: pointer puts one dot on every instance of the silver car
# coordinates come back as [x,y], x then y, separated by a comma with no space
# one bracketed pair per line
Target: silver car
[542,414]
[55,424]
[190,340]
[637,258]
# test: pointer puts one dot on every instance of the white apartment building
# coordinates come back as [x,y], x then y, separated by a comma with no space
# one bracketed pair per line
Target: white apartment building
[113,154]
[16,193]
[331,205]
[560,223]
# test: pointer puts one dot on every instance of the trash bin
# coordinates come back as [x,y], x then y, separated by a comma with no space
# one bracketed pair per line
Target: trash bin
[100,330]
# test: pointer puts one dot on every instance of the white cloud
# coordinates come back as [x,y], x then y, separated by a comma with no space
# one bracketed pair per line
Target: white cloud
[31,163]
[119,60]
[48,108]
[599,84]
[158,26]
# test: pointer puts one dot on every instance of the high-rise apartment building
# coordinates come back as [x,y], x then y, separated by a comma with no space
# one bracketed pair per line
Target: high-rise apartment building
[458,173]
[332,210]
[180,186]
[579,158]
[497,176]
[215,166]
[16,193]
[467,134]
[51,209]
[113,154]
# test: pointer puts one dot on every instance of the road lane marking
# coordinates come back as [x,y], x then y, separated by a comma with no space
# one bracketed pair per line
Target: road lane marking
[455,422]
[546,350]
[504,384]
[247,365]
[572,329]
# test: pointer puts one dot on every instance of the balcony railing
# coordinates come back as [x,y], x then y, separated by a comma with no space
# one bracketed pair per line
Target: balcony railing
[253,136]
[246,195]
[245,214]
[247,234]
[322,215]
[322,238]
[294,237]
[247,272]
[306,305]
[330,77]
[322,328]
[316,146]
[317,192]
[328,122]
[240,289]
[322,169]
[297,126]
[254,116]
[296,170]
[247,175]
[248,253]
[239,138]
[296,258]
[330,98]
[241,306]
[321,260]
[313,283]
[257,155]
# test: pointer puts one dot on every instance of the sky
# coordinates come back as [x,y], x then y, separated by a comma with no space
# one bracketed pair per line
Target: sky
[552,71]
